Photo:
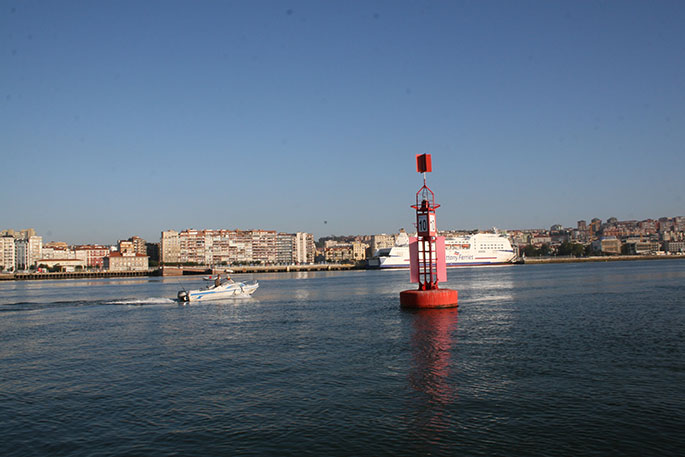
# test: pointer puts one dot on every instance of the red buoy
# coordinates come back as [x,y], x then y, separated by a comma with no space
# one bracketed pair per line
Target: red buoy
[434,298]
[427,252]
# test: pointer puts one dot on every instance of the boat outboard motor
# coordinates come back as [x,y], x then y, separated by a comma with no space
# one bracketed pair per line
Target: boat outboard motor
[183,295]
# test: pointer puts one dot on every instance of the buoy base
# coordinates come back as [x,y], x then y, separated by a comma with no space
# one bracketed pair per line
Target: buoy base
[426,299]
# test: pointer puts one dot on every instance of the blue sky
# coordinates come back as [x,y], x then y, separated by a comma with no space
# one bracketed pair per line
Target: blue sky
[128,118]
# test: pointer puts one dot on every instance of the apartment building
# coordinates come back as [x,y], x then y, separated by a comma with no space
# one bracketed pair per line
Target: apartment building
[212,247]
[264,246]
[359,250]
[169,247]
[92,254]
[339,253]
[139,245]
[381,241]
[674,246]
[126,247]
[116,261]
[7,252]
[21,254]
[51,251]
[243,246]
[35,247]
[304,250]
[285,248]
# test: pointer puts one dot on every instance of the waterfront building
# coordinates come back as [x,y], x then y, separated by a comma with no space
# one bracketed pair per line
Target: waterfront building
[56,251]
[117,261]
[642,247]
[21,254]
[92,254]
[139,245]
[169,247]
[7,253]
[305,249]
[339,253]
[19,250]
[217,247]
[264,246]
[359,250]
[674,246]
[540,238]
[28,251]
[243,246]
[192,246]
[285,248]
[65,265]
[35,249]
[152,251]
[213,247]
[610,245]
[126,247]
[673,236]
[381,241]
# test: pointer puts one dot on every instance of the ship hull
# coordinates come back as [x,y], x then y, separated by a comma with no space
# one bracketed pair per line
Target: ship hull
[474,250]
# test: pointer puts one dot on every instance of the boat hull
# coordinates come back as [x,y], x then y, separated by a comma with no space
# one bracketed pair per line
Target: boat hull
[235,290]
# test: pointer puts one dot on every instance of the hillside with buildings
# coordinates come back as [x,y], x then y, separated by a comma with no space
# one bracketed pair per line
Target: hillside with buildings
[25,251]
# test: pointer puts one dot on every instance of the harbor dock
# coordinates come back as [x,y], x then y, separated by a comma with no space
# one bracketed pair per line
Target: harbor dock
[175,271]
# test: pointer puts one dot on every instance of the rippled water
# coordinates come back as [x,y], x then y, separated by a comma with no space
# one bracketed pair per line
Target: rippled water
[576,359]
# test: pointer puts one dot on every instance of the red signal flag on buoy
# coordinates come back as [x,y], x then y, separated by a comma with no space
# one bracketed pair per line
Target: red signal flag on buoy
[423,163]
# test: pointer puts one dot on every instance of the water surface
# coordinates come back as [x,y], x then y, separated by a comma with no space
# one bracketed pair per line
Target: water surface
[572,359]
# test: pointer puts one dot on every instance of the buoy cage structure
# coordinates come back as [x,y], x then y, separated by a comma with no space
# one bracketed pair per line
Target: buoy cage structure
[427,252]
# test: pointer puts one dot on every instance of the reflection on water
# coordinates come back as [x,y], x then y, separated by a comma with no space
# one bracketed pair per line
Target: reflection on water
[432,341]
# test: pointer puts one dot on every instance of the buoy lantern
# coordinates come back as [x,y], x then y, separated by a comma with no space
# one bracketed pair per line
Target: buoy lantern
[427,252]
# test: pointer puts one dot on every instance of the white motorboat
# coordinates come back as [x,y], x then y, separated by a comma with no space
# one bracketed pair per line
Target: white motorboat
[227,289]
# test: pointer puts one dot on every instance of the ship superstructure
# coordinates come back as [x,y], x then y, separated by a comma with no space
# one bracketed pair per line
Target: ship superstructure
[475,249]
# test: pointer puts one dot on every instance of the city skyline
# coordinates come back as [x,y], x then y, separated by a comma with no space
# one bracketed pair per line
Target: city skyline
[21,233]
[126,119]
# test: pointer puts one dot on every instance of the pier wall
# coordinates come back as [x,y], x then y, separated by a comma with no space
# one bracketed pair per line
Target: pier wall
[611,258]
[78,275]
[174,271]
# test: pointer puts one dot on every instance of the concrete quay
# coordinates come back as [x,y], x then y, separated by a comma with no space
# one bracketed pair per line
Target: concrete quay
[609,258]
[205,270]
[75,275]
[175,271]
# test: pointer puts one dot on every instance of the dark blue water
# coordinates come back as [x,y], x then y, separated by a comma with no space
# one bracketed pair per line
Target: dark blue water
[576,359]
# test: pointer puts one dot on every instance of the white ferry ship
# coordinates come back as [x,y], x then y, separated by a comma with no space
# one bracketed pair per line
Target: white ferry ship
[477,249]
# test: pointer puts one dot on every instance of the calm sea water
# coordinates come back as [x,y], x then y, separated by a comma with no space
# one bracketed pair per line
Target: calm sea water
[576,359]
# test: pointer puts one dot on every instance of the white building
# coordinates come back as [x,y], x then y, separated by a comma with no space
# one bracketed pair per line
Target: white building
[7,253]
[304,248]
[65,265]
[211,247]
[57,253]
[35,250]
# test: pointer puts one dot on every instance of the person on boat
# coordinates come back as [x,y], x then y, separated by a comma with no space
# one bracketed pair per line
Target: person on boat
[217,281]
